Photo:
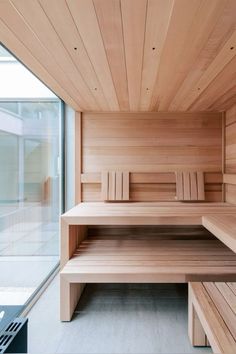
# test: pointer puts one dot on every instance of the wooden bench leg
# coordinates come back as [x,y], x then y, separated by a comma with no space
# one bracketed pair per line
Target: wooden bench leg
[196,332]
[69,297]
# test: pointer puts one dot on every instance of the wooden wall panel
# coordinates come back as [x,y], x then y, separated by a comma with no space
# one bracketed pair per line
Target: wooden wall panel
[78,157]
[230,141]
[230,155]
[230,191]
[151,146]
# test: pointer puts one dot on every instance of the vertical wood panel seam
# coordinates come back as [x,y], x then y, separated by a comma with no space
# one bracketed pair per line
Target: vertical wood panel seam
[104,47]
[223,153]
[126,71]
[39,63]
[144,40]
[45,48]
[78,157]
[76,67]
[85,49]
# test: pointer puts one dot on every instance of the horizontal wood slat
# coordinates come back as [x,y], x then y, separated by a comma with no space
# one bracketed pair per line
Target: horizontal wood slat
[149,258]
[145,213]
[153,178]
[215,306]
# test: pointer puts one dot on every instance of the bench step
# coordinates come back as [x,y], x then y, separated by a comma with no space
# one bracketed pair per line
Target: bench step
[138,260]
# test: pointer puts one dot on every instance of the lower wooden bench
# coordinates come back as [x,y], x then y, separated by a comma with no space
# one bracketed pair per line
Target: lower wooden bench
[143,260]
[212,316]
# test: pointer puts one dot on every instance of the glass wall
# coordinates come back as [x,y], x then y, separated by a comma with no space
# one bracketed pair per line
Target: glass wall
[30,200]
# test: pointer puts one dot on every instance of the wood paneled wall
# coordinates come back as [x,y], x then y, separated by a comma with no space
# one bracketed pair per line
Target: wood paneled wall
[230,155]
[151,146]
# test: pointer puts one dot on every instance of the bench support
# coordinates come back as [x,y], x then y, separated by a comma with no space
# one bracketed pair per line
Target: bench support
[196,332]
[70,294]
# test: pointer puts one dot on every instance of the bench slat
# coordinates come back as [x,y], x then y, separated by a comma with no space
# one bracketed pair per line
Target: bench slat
[219,336]
[222,306]
[228,294]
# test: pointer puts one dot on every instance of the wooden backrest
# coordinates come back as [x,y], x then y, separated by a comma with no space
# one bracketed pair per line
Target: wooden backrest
[190,186]
[115,185]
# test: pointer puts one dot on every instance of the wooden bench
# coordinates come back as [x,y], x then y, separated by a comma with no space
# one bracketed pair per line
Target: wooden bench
[223,227]
[139,258]
[212,316]
[118,259]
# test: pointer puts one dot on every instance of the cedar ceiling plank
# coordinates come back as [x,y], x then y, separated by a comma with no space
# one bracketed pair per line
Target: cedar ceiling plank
[15,24]
[228,104]
[46,34]
[61,19]
[204,21]
[182,17]
[23,54]
[226,79]
[157,23]
[184,43]
[191,67]
[85,18]
[224,57]
[110,22]
[226,100]
[134,18]
[216,40]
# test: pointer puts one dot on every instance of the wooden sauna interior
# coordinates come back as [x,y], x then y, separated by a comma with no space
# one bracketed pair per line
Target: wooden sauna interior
[152,84]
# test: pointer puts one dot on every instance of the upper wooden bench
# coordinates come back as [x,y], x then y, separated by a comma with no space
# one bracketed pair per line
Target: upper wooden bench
[223,227]
[212,316]
[144,213]
[84,260]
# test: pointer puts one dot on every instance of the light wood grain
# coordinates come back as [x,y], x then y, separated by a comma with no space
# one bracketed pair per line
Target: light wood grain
[190,186]
[160,55]
[230,155]
[212,303]
[110,23]
[196,332]
[78,157]
[59,15]
[128,260]
[134,18]
[223,227]
[229,178]
[83,12]
[141,213]
[152,146]
[115,186]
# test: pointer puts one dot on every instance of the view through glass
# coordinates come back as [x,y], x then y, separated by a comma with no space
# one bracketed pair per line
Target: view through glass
[29,183]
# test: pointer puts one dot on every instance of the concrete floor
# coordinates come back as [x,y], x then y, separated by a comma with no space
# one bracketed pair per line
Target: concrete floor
[114,318]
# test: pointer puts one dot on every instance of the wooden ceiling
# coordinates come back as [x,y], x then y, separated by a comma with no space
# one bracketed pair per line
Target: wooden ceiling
[128,55]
